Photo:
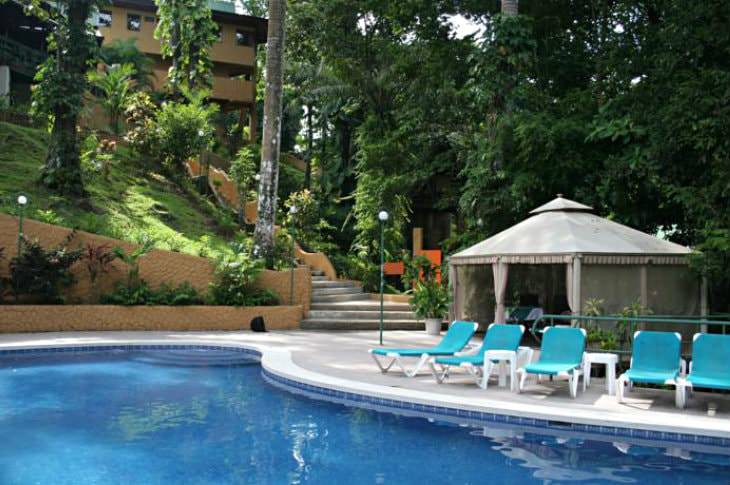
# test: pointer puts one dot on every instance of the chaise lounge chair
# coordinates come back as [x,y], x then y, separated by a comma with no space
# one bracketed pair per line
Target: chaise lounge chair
[655,359]
[455,340]
[561,354]
[501,343]
[710,365]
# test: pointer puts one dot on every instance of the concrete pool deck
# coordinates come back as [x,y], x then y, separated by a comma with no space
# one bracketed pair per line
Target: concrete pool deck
[339,360]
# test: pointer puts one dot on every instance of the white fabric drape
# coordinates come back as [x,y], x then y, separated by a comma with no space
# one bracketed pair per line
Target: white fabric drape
[500,271]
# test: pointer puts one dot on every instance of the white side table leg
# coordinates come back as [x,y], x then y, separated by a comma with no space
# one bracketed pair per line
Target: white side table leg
[502,373]
[611,379]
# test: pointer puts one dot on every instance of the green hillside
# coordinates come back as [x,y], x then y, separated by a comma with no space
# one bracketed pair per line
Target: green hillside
[135,201]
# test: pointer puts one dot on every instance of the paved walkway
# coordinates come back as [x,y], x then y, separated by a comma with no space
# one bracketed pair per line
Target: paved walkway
[344,355]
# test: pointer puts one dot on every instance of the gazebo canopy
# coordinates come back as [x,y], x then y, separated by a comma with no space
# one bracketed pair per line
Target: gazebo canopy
[563,228]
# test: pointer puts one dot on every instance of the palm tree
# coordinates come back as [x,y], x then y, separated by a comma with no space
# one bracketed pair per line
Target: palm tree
[271,139]
[114,89]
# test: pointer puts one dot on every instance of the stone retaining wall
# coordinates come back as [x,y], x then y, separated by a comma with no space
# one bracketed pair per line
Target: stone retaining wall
[57,318]
[156,267]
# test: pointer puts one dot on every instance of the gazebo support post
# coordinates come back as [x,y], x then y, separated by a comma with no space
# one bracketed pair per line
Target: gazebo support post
[499,271]
[704,310]
[453,280]
[576,287]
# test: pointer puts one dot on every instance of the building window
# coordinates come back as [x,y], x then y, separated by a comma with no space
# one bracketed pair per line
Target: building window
[105,18]
[243,37]
[219,34]
[150,19]
[134,22]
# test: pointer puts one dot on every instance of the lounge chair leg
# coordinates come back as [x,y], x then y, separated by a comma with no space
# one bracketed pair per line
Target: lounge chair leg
[423,360]
[440,374]
[523,378]
[380,366]
[620,383]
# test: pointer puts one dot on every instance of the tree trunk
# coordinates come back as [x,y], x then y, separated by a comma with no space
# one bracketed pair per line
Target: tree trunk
[310,142]
[271,141]
[62,169]
[510,8]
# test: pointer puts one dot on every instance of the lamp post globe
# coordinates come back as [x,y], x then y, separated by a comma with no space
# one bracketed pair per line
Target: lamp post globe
[383,217]
[22,200]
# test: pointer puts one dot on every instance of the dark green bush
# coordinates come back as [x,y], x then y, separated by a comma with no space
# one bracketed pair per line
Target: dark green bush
[41,274]
[141,294]
[234,279]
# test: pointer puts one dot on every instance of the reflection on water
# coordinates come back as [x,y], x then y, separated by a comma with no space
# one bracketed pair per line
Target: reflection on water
[207,417]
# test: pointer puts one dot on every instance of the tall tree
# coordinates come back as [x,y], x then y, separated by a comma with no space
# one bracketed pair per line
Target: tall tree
[510,8]
[59,93]
[187,32]
[271,141]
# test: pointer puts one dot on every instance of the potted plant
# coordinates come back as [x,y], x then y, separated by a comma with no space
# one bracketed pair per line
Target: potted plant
[430,301]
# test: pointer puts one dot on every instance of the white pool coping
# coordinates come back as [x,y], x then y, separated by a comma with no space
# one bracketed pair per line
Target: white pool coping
[277,358]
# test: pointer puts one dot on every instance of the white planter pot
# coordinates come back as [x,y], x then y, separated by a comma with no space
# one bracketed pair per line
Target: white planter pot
[433,326]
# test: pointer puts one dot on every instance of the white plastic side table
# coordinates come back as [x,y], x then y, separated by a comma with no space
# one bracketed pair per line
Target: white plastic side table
[504,358]
[609,360]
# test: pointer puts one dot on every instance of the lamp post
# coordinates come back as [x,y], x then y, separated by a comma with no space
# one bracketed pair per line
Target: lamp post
[292,212]
[383,217]
[22,202]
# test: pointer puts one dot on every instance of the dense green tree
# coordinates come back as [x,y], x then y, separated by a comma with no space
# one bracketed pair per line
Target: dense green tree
[187,32]
[61,84]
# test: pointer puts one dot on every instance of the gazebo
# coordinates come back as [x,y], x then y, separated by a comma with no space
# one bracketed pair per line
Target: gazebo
[598,257]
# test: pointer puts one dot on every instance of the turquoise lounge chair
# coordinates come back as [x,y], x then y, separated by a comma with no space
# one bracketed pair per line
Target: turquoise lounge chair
[561,354]
[710,365]
[501,340]
[456,338]
[655,359]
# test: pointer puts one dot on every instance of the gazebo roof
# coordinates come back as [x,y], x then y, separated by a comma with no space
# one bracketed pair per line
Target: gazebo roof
[562,229]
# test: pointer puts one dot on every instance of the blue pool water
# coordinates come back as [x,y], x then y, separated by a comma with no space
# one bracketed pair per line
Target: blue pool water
[207,417]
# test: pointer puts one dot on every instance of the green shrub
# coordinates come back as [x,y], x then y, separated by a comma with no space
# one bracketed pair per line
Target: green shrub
[183,130]
[42,274]
[430,299]
[140,114]
[234,279]
[182,295]
[127,295]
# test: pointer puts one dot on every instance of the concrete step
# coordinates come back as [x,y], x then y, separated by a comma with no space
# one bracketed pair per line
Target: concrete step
[361,305]
[335,324]
[360,315]
[333,284]
[319,278]
[339,298]
[339,290]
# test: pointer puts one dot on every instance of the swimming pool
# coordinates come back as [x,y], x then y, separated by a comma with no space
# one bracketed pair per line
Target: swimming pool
[194,416]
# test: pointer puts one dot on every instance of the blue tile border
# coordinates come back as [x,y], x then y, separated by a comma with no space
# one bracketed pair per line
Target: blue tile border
[98,348]
[394,404]
[486,417]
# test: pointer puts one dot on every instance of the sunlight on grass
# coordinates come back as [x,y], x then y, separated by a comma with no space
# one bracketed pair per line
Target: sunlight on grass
[132,204]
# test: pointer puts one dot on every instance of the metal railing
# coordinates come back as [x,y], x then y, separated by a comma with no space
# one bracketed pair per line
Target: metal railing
[19,56]
[695,322]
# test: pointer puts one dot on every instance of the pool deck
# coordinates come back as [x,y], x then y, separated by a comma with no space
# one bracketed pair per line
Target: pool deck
[339,360]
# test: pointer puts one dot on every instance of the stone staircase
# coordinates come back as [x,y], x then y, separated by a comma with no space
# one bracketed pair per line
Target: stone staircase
[342,305]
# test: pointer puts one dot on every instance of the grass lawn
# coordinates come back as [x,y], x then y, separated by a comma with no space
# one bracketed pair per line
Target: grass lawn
[135,201]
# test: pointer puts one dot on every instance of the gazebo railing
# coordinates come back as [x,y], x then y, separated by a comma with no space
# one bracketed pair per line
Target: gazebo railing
[695,322]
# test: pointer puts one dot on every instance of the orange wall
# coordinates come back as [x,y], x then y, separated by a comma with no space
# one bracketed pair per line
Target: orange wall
[67,318]
[156,267]
[225,51]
